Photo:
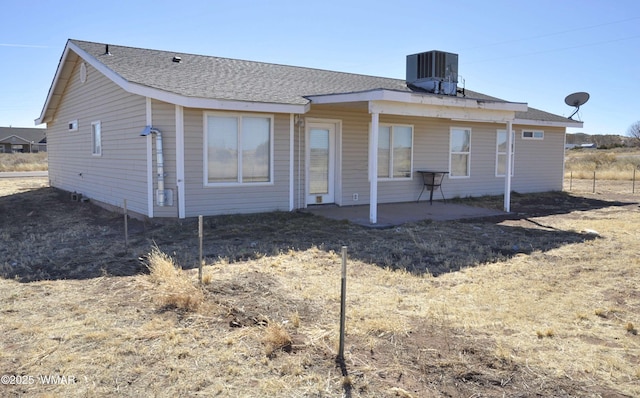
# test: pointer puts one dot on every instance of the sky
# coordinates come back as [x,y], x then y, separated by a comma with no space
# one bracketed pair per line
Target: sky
[536,52]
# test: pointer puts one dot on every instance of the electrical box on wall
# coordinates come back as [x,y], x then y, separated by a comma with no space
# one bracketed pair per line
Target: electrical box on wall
[164,197]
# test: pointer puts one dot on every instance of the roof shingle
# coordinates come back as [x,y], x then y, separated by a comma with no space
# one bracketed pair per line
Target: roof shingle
[218,78]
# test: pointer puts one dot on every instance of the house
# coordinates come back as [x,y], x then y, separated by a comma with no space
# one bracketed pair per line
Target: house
[180,135]
[22,139]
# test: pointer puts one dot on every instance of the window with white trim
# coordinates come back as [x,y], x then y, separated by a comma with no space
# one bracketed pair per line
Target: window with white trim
[501,153]
[532,135]
[96,139]
[459,152]
[238,149]
[395,151]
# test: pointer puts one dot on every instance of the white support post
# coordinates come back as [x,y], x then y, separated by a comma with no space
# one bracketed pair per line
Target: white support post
[150,196]
[507,177]
[291,160]
[373,168]
[180,158]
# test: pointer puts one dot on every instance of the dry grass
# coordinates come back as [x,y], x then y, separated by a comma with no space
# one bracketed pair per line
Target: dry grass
[607,164]
[23,161]
[554,321]
[175,288]
[276,337]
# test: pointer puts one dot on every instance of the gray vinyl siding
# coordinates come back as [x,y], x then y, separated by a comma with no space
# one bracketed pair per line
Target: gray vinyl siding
[245,198]
[120,173]
[431,152]
[539,163]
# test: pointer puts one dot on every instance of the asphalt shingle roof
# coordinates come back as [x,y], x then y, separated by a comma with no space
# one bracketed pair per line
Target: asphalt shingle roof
[210,77]
[26,133]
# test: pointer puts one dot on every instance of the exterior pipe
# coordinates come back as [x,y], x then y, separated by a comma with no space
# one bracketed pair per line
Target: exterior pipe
[159,162]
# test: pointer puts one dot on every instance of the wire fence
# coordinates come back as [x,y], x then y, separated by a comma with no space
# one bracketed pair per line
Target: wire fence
[599,184]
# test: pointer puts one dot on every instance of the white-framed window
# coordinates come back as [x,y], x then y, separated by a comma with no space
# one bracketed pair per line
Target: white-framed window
[501,153]
[238,148]
[532,135]
[395,151]
[96,139]
[459,152]
[73,125]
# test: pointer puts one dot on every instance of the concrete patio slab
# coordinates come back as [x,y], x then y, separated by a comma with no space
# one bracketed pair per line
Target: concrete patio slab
[393,214]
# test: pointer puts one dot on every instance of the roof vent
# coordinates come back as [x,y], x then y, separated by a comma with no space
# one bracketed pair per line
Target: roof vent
[433,71]
[106,50]
[177,59]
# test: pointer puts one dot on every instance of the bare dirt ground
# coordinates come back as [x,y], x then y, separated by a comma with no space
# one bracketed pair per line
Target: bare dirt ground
[411,333]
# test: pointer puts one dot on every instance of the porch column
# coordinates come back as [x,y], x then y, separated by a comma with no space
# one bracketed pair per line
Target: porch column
[507,177]
[180,173]
[373,169]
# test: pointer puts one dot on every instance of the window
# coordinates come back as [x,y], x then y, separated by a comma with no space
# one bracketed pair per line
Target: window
[238,149]
[532,135]
[501,153]
[460,152]
[96,139]
[395,149]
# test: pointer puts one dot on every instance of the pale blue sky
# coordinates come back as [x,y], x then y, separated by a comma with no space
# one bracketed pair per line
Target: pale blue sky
[524,51]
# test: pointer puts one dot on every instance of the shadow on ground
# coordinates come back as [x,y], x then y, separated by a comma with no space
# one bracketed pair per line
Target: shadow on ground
[46,235]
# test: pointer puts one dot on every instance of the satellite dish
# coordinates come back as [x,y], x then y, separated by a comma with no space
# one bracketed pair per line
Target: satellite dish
[577,100]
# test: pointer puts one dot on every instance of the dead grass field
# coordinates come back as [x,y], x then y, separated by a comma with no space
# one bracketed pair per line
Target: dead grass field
[534,304]
[24,161]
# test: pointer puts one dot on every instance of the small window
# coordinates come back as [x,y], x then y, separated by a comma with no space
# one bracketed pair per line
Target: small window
[460,152]
[96,139]
[73,125]
[532,135]
[395,149]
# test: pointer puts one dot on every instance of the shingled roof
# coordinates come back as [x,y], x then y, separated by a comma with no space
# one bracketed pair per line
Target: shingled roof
[25,134]
[207,77]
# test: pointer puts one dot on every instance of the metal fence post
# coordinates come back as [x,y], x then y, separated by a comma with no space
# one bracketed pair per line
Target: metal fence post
[343,295]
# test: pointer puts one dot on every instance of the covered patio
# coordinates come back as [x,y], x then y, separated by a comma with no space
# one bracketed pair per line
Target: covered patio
[393,214]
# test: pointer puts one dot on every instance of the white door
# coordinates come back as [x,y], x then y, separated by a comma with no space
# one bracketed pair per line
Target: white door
[321,159]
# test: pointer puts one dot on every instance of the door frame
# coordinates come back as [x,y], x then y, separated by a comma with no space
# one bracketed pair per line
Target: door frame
[336,125]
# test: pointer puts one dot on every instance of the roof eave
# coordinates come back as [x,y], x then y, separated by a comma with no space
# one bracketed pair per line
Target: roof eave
[545,123]
[56,79]
[417,98]
[211,103]
[162,95]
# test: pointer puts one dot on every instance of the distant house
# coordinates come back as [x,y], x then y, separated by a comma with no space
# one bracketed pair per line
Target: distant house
[226,136]
[22,139]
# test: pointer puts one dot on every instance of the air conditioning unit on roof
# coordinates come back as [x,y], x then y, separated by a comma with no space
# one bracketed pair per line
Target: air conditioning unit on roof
[433,71]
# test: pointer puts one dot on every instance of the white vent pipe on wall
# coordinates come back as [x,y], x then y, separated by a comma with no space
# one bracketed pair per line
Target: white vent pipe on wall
[159,162]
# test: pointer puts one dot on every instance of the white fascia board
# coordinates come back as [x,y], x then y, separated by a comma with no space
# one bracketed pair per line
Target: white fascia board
[54,84]
[188,102]
[362,96]
[444,112]
[209,103]
[416,98]
[543,123]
